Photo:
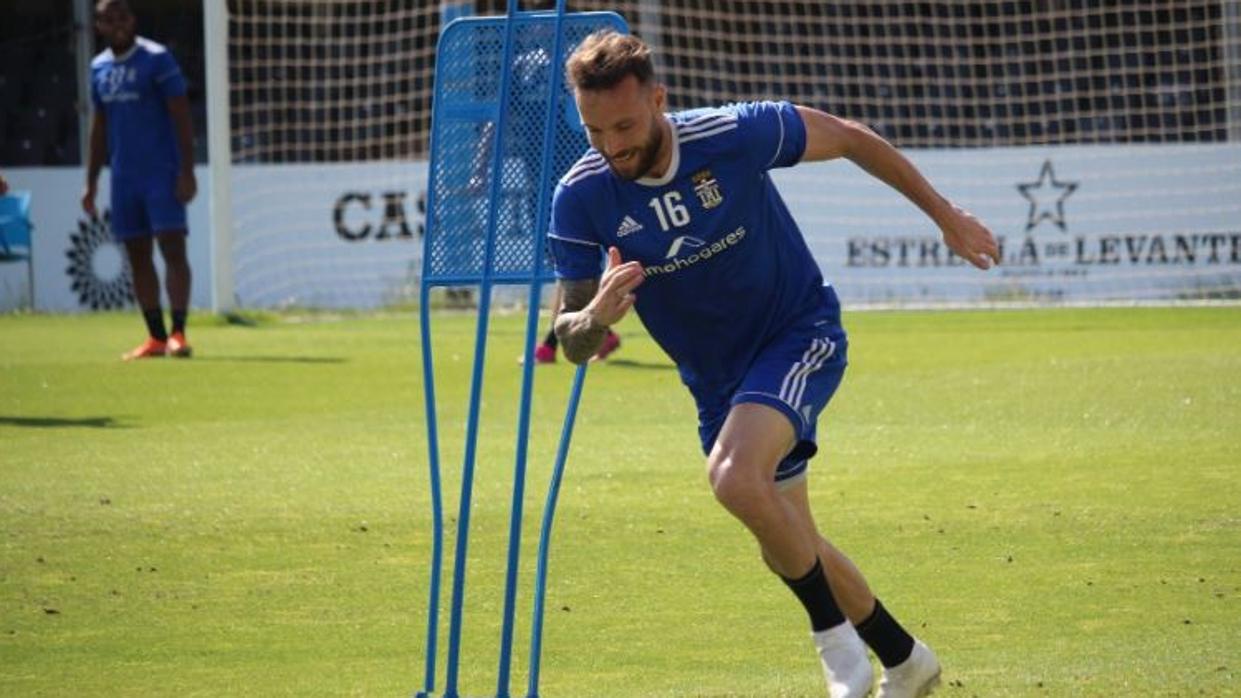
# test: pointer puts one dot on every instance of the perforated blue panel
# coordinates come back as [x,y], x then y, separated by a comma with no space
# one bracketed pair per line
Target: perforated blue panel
[470,63]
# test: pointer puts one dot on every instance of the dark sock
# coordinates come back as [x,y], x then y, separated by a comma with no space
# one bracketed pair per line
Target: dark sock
[178,321]
[814,593]
[155,323]
[886,637]
[551,340]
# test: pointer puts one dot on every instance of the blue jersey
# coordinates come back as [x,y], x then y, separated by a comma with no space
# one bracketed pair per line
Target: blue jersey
[132,90]
[727,269]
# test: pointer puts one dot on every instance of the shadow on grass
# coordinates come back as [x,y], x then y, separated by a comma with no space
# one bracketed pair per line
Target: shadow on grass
[630,363]
[275,359]
[44,422]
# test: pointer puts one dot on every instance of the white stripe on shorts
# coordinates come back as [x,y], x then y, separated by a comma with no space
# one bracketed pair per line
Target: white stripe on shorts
[794,371]
[828,348]
[794,385]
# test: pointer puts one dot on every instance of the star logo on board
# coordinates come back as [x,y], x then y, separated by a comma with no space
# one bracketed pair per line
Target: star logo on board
[1046,196]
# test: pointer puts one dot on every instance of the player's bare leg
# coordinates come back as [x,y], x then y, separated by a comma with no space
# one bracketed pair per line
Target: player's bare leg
[848,585]
[177,279]
[741,467]
[139,250]
[910,669]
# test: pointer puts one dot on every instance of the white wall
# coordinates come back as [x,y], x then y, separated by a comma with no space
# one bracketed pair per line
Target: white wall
[1109,222]
[70,272]
[327,235]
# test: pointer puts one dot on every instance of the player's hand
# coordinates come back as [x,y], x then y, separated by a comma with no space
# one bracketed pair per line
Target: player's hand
[4,186]
[615,295]
[187,186]
[969,238]
[88,201]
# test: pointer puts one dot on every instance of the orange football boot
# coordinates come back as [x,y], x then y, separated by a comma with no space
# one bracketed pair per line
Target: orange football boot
[152,348]
[178,347]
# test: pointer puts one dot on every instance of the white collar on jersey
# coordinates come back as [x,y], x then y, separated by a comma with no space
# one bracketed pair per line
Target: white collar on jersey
[673,164]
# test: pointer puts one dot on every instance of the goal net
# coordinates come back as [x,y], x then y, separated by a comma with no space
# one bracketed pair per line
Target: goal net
[329,111]
[1100,141]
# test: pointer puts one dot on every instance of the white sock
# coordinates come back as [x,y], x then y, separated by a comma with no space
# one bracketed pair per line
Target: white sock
[845,663]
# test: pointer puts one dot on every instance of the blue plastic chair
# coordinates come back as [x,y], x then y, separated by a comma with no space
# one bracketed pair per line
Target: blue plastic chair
[15,230]
[15,225]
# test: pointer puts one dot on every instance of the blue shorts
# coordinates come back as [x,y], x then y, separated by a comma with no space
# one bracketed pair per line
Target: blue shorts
[796,373]
[145,206]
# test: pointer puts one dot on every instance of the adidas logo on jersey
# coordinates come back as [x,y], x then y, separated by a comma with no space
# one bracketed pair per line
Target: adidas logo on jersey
[628,227]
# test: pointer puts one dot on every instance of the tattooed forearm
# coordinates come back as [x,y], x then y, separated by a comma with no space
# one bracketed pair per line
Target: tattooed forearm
[577,331]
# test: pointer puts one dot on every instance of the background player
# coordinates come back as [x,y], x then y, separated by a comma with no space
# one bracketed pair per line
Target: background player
[142,125]
[700,243]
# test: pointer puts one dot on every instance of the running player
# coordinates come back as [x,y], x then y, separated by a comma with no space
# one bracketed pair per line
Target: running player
[700,244]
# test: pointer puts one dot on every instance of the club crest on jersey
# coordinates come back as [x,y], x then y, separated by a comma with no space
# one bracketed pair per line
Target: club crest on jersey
[113,84]
[707,187]
[628,227]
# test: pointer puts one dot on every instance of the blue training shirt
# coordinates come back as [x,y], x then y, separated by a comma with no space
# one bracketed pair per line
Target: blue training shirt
[132,90]
[726,266]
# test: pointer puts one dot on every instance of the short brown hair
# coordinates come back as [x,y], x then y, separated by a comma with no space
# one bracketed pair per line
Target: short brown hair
[605,58]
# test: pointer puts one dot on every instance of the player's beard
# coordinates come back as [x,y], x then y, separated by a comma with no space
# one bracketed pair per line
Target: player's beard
[647,154]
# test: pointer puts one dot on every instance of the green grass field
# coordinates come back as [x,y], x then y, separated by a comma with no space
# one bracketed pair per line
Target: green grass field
[1049,498]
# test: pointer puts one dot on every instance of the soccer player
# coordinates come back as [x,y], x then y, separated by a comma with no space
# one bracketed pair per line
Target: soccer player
[142,126]
[700,244]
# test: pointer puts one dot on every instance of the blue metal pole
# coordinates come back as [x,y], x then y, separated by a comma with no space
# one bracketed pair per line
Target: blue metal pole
[476,384]
[437,507]
[545,532]
[433,451]
[519,491]
[527,377]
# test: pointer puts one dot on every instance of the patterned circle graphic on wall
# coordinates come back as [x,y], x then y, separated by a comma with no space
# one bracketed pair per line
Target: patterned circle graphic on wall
[87,249]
